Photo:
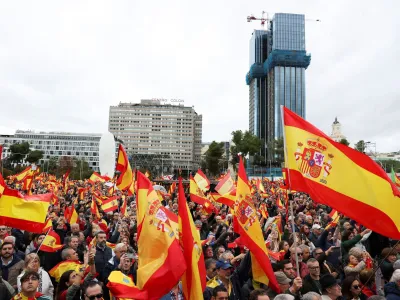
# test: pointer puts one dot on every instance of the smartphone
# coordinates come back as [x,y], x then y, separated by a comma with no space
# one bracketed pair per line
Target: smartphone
[130,255]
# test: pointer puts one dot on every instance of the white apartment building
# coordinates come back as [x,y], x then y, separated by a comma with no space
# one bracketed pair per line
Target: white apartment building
[161,137]
[57,144]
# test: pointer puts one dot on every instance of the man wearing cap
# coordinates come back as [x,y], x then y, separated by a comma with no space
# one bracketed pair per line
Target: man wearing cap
[284,285]
[224,272]
[331,290]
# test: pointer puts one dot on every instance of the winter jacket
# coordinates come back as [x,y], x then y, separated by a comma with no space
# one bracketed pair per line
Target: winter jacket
[45,285]
[101,259]
[309,285]
[392,291]
[12,270]
[354,270]
[387,269]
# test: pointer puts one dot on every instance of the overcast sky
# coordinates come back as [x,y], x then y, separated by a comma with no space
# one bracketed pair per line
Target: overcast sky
[63,63]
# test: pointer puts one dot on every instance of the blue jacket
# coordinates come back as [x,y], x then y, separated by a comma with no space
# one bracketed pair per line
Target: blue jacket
[392,292]
[168,296]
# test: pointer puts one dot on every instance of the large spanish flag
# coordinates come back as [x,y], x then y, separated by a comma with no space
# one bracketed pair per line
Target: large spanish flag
[197,195]
[227,199]
[202,180]
[51,242]
[249,228]
[340,177]
[97,177]
[161,262]
[125,178]
[194,279]
[24,212]
[122,286]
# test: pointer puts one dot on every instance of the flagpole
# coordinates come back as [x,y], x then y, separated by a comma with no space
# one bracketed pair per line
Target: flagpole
[44,238]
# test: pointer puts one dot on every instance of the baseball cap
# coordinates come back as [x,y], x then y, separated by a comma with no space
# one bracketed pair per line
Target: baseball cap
[223,265]
[282,278]
[316,226]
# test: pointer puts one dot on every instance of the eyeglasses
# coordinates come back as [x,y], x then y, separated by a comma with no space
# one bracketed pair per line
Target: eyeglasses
[356,287]
[33,278]
[215,269]
[98,296]
[299,254]
[318,253]
[3,228]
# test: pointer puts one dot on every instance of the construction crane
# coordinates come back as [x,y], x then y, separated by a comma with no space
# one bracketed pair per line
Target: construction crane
[267,20]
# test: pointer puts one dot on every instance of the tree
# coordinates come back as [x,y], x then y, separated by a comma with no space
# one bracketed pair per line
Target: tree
[34,156]
[81,169]
[344,142]
[19,152]
[213,157]
[65,163]
[360,146]
[244,143]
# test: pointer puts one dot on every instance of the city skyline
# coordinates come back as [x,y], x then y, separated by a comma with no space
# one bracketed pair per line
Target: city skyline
[63,71]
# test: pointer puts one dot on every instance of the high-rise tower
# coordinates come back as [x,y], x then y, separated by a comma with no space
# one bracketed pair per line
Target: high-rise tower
[278,61]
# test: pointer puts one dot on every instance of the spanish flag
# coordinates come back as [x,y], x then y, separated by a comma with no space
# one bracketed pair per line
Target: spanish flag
[47,225]
[64,266]
[225,185]
[227,199]
[73,218]
[94,208]
[340,177]
[124,206]
[260,187]
[125,179]
[65,181]
[194,279]
[335,219]
[110,205]
[161,262]
[249,228]
[20,176]
[202,181]
[196,193]
[51,242]
[2,185]
[24,212]
[122,286]
[172,188]
[96,177]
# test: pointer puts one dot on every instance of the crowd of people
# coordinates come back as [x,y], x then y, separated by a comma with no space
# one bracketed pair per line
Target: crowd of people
[312,257]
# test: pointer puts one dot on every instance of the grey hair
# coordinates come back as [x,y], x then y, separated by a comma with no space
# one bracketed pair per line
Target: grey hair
[311,296]
[303,247]
[12,238]
[119,246]
[209,262]
[223,255]
[65,254]
[284,297]
[395,276]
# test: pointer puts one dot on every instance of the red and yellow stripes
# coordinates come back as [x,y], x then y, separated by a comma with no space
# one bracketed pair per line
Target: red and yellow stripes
[194,278]
[24,212]
[249,228]
[160,257]
[125,179]
[122,286]
[202,181]
[51,242]
[348,180]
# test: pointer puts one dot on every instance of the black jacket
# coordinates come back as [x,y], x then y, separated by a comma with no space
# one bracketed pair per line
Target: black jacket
[309,285]
[101,259]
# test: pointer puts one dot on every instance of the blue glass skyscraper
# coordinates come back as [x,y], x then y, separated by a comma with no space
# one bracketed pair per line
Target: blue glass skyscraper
[278,61]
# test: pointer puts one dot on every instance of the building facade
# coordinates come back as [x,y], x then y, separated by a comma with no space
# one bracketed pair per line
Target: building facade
[56,144]
[337,134]
[161,137]
[278,61]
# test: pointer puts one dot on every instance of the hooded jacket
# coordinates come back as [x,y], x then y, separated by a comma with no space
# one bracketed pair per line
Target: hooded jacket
[392,292]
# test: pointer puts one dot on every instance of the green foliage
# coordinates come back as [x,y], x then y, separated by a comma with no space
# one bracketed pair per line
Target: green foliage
[213,157]
[360,146]
[388,164]
[34,156]
[80,170]
[344,142]
[244,143]
[18,152]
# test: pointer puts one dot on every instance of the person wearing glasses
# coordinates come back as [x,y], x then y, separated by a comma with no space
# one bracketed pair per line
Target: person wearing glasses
[32,263]
[296,251]
[352,289]
[29,286]
[311,281]
[93,291]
